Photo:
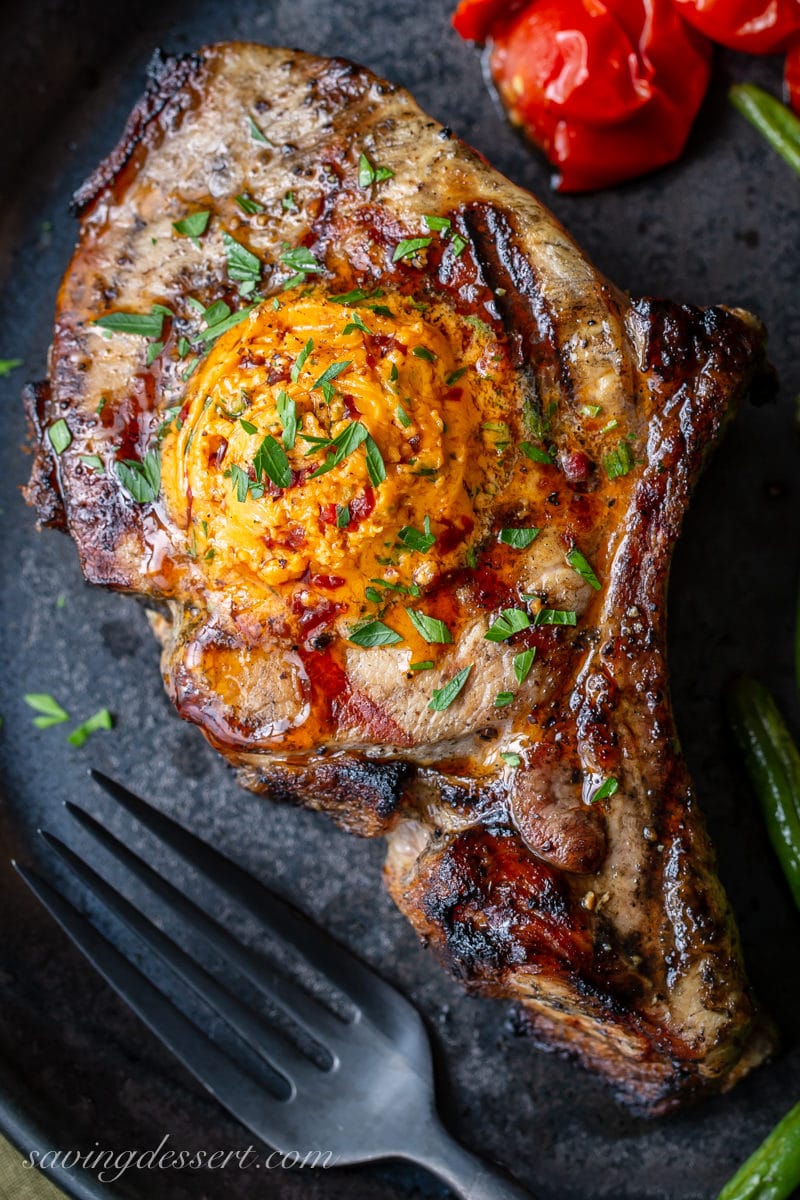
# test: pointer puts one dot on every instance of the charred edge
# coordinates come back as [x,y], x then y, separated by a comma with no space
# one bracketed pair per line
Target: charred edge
[42,491]
[526,313]
[166,75]
[679,338]
[361,796]
[339,83]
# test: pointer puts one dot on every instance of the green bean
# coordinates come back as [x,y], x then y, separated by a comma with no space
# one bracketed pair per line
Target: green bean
[773,1171]
[773,764]
[773,120]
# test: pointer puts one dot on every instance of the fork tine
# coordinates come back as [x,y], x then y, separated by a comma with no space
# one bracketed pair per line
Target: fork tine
[233,1087]
[302,1008]
[291,1066]
[384,1005]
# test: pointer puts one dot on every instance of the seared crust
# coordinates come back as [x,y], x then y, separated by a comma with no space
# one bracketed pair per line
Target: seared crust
[604,919]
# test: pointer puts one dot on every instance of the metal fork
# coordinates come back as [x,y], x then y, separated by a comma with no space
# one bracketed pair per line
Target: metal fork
[374,1097]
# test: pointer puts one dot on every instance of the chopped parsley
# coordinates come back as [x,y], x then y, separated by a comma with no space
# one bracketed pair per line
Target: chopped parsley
[458,244]
[607,788]
[289,203]
[555,616]
[402,416]
[424,352]
[243,483]
[454,376]
[248,205]
[59,436]
[325,381]
[141,479]
[591,410]
[374,633]
[147,325]
[342,516]
[100,720]
[356,296]
[412,539]
[619,462]
[410,246]
[302,262]
[427,665]
[520,539]
[510,759]
[344,444]
[443,697]
[523,663]
[256,133]
[510,621]
[503,699]
[51,712]
[613,424]
[216,330]
[355,323]
[248,426]
[430,628]
[7,365]
[287,412]
[437,224]
[535,453]
[299,362]
[243,266]
[93,462]
[375,464]
[369,174]
[193,226]
[270,459]
[582,567]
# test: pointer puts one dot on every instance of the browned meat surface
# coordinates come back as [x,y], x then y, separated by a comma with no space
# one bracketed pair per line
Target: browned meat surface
[484,437]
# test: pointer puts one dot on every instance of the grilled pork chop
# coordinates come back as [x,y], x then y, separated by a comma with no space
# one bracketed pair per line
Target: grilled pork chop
[405,474]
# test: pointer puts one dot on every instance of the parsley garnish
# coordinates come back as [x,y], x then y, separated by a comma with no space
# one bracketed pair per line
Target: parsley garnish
[427,665]
[243,266]
[325,381]
[374,633]
[520,539]
[147,325]
[368,174]
[555,616]
[353,324]
[271,460]
[248,426]
[523,663]
[375,464]
[424,352]
[429,628]
[256,133]
[299,362]
[503,699]
[59,435]
[414,540]
[619,462]
[607,788]
[51,711]
[402,416]
[510,621]
[7,365]
[510,759]
[342,516]
[287,412]
[193,226]
[437,224]
[141,479]
[356,296]
[302,262]
[248,205]
[342,445]
[535,454]
[591,410]
[582,567]
[243,483]
[454,376]
[289,203]
[215,331]
[93,462]
[409,247]
[100,720]
[459,244]
[443,697]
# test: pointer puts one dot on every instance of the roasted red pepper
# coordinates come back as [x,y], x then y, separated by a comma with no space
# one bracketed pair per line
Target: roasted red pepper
[757,26]
[608,88]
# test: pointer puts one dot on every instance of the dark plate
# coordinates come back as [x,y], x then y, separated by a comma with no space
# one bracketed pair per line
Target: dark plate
[77,1069]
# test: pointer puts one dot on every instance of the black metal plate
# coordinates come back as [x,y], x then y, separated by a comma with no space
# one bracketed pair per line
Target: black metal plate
[722,225]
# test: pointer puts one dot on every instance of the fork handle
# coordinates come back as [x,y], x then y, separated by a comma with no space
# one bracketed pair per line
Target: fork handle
[468,1176]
